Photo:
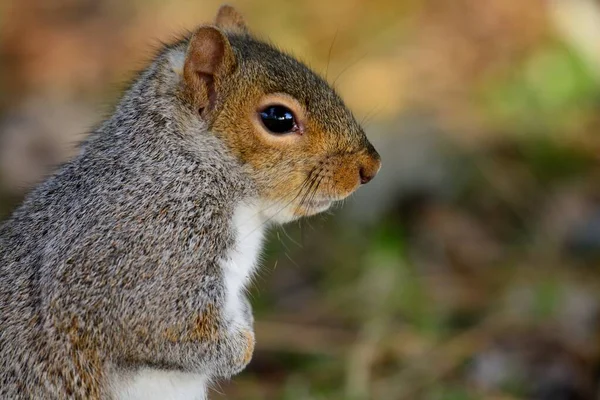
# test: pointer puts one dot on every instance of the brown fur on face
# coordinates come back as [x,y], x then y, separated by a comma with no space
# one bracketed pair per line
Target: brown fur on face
[325,160]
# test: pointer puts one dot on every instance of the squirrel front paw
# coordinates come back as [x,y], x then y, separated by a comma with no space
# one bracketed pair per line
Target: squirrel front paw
[248,347]
[232,340]
[234,354]
[221,347]
[239,339]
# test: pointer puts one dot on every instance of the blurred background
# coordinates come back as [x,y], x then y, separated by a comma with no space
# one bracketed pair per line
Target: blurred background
[469,269]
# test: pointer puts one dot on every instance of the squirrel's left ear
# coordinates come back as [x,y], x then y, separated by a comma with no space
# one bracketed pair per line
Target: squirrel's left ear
[209,60]
[229,19]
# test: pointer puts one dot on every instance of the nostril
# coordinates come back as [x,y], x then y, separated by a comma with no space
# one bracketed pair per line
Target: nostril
[369,165]
[365,176]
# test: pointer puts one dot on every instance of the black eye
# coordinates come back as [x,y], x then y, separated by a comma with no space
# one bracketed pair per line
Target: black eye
[278,119]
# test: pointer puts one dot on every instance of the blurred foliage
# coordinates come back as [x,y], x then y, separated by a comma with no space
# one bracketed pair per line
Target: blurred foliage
[467,270]
[552,88]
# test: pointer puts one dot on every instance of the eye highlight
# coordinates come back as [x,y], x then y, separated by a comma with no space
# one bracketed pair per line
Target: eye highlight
[278,119]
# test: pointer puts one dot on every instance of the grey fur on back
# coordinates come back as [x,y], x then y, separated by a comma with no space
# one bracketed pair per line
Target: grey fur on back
[119,247]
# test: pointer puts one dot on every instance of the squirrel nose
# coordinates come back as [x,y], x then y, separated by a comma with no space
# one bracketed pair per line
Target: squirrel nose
[369,167]
[365,177]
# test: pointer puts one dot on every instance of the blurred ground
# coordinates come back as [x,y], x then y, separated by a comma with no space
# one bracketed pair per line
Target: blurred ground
[469,269]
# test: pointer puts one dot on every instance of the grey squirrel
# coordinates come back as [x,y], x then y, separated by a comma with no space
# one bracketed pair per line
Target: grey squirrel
[122,276]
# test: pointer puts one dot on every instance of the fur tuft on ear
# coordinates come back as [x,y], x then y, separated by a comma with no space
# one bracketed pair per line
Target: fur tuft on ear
[229,19]
[208,60]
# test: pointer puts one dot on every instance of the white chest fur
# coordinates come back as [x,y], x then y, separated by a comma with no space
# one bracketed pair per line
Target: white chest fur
[240,264]
[154,384]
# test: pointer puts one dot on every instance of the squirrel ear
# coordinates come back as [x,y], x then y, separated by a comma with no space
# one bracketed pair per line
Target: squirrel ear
[208,60]
[229,19]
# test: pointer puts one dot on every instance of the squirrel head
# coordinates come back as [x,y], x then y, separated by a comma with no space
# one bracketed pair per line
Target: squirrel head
[300,144]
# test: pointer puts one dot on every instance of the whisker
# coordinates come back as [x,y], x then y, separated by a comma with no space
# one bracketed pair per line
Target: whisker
[314,192]
[347,68]
[282,208]
[290,258]
[277,203]
[289,237]
[372,115]
[329,54]
[282,242]
[307,193]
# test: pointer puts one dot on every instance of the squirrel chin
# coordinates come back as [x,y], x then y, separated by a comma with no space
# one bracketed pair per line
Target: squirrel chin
[313,208]
[281,213]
